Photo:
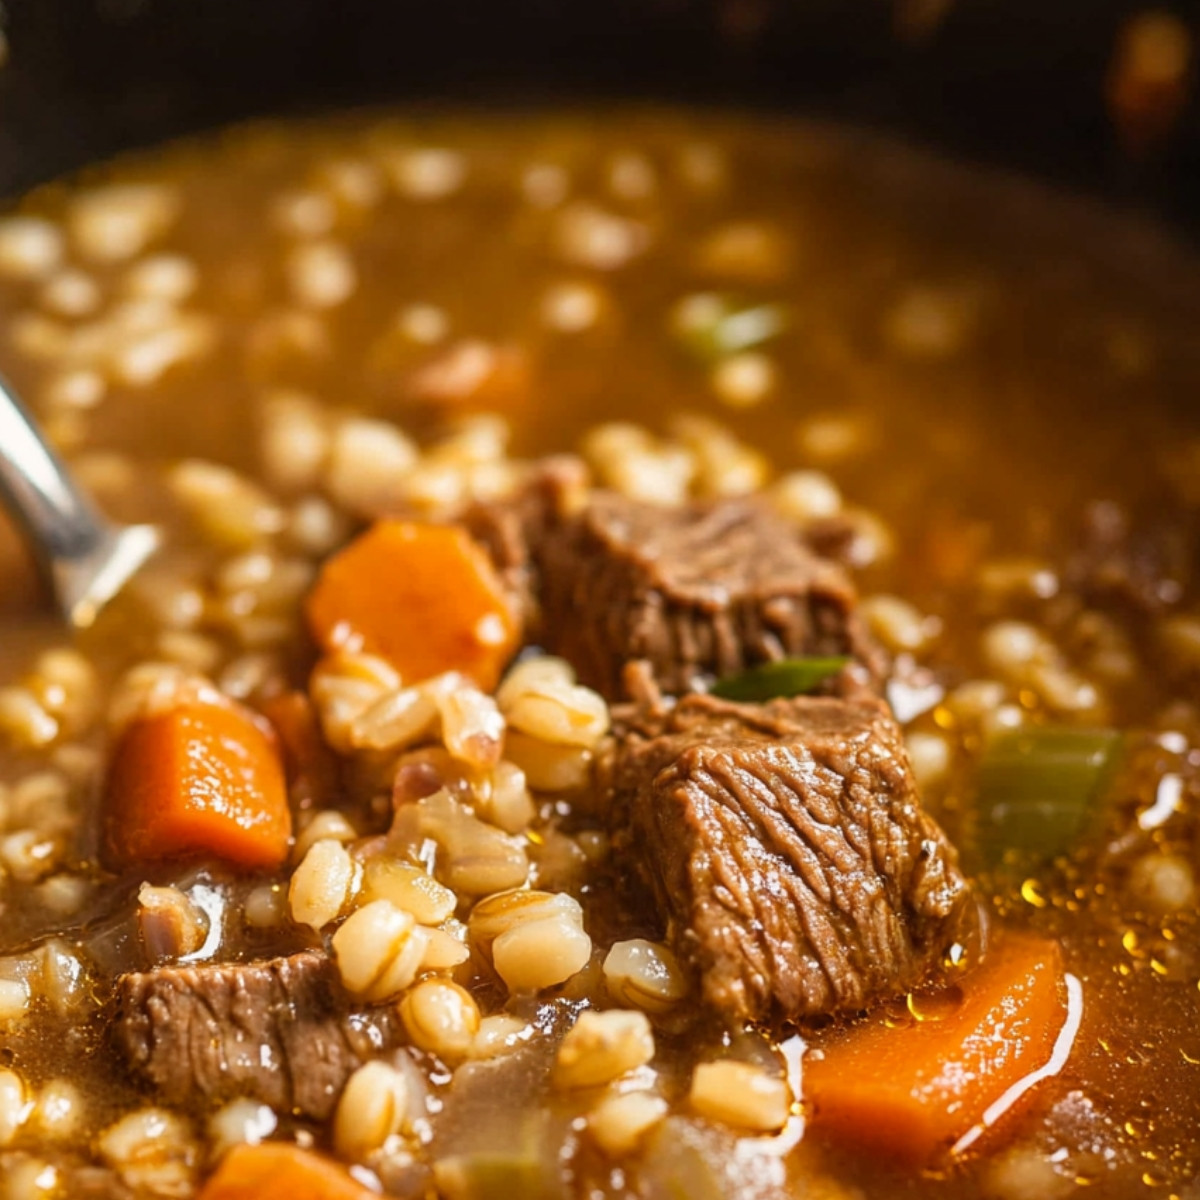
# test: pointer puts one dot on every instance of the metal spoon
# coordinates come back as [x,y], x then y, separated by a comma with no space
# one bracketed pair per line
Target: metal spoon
[84,558]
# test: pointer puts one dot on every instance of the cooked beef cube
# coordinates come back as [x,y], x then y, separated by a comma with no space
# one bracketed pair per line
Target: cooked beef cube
[513,530]
[787,850]
[699,592]
[281,1031]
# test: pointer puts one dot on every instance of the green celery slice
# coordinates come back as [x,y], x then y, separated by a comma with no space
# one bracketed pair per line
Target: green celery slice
[713,326]
[787,677]
[1039,789]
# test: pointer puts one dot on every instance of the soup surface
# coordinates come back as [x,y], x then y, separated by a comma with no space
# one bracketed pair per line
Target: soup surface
[367,843]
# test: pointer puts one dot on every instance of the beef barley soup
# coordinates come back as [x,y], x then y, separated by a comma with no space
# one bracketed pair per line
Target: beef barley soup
[674,671]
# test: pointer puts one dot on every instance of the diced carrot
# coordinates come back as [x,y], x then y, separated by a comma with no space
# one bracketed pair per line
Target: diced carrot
[197,779]
[311,766]
[911,1091]
[425,597]
[276,1171]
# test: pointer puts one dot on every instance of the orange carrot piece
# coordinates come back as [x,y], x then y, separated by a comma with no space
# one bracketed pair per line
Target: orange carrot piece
[912,1091]
[276,1171]
[197,779]
[425,597]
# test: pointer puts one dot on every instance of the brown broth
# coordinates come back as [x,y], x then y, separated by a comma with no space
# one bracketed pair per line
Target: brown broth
[1050,360]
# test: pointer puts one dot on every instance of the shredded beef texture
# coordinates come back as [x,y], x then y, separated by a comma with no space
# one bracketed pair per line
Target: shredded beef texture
[513,530]
[698,592]
[280,1031]
[786,849]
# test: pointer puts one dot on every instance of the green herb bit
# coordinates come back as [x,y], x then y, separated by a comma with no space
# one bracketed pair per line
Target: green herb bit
[787,677]
[1039,789]
[712,326]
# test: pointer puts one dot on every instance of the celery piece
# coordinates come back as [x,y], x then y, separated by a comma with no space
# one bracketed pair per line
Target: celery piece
[712,327]
[787,677]
[1039,789]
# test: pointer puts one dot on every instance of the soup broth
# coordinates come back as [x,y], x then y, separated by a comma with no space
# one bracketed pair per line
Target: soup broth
[973,397]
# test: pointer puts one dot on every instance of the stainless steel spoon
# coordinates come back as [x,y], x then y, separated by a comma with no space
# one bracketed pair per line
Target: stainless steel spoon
[85,558]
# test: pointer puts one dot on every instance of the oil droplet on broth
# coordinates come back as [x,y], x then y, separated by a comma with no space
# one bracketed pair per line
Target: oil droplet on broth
[934,1006]
[943,718]
[896,1015]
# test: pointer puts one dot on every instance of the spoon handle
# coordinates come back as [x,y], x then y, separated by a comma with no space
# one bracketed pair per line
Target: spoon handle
[84,558]
[58,519]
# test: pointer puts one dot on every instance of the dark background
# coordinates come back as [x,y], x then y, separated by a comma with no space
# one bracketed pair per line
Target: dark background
[1015,82]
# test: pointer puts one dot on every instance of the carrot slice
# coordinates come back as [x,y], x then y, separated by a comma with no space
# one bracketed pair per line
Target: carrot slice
[275,1171]
[912,1091]
[197,779]
[425,597]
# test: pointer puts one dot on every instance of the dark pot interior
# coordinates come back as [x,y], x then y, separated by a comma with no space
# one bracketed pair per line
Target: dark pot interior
[1014,82]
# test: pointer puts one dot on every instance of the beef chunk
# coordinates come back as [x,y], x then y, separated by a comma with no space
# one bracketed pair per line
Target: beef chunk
[280,1031]
[699,592]
[514,530]
[787,850]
